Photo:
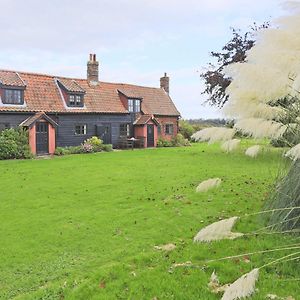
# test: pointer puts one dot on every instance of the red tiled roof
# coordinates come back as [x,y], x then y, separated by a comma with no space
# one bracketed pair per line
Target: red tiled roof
[42,93]
[144,119]
[71,85]
[11,79]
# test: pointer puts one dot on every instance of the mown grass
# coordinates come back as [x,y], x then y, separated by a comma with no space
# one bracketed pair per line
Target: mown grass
[85,226]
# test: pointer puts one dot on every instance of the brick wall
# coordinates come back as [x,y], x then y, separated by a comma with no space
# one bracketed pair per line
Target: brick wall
[167,120]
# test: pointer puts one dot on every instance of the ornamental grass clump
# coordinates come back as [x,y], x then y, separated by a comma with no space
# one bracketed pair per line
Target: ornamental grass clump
[230,145]
[253,151]
[209,184]
[284,203]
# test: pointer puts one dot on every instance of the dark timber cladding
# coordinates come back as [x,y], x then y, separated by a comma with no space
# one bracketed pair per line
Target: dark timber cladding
[65,135]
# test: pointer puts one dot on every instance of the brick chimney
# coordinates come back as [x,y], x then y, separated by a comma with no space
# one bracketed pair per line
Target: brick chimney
[164,83]
[93,70]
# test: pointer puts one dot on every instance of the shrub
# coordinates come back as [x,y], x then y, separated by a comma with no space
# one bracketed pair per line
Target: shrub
[93,144]
[14,144]
[186,129]
[107,147]
[177,141]
[87,147]
[163,143]
[180,141]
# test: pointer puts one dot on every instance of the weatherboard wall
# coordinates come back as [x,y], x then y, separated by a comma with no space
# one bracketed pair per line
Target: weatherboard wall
[65,134]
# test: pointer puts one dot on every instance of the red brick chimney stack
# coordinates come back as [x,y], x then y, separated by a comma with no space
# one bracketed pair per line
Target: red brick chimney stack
[164,83]
[93,70]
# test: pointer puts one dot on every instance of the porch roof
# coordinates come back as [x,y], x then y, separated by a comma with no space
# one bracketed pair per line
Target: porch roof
[35,118]
[144,119]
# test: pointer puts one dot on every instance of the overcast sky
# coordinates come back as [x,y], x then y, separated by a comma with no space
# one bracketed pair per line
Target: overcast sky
[136,41]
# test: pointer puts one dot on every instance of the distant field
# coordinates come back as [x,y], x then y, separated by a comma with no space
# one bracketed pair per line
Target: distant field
[85,226]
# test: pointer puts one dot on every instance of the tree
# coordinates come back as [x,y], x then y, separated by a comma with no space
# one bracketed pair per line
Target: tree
[234,51]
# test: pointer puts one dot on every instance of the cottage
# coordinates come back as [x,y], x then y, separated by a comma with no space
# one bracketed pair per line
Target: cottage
[61,111]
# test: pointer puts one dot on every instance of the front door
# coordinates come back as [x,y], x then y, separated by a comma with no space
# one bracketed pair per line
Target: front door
[150,135]
[42,139]
[104,133]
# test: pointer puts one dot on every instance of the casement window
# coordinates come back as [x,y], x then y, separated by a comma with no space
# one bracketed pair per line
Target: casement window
[13,96]
[80,129]
[75,100]
[134,105]
[125,130]
[169,129]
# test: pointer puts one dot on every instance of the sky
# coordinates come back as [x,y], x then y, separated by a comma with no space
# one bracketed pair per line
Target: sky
[136,41]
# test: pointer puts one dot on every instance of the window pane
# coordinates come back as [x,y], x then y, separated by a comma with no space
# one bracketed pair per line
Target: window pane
[137,106]
[130,105]
[78,100]
[72,99]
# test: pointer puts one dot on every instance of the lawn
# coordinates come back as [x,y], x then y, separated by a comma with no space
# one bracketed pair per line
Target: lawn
[85,226]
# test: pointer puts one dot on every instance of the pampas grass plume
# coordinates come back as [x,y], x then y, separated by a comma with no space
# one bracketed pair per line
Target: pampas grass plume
[206,185]
[214,134]
[294,153]
[218,231]
[242,287]
[253,151]
[231,145]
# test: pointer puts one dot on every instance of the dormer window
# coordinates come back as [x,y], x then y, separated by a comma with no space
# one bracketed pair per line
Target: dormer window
[134,105]
[13,96]
[75,100]
[72,93]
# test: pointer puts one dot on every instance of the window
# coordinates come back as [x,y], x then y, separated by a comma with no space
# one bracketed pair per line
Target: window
[169,129]
[124,130]
[80,129]
[134,105]
[75,100]
[42,127]
[11,96]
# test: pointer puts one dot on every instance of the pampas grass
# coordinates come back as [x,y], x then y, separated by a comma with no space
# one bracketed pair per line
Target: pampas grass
[260,128]
[214,134]
[242,287]
[218,231]
[284,203]
[253,151]
[294,153]
[230,145]
[209,184]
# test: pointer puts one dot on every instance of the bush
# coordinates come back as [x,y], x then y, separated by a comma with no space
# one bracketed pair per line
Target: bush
[186,129]
[180,141]
[14,144]
[91,145]
[163,143]
[177,141]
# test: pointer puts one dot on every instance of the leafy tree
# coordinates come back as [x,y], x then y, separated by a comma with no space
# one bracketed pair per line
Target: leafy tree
[234,51]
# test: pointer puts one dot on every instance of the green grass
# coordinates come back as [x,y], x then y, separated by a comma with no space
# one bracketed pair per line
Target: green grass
[85,226]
